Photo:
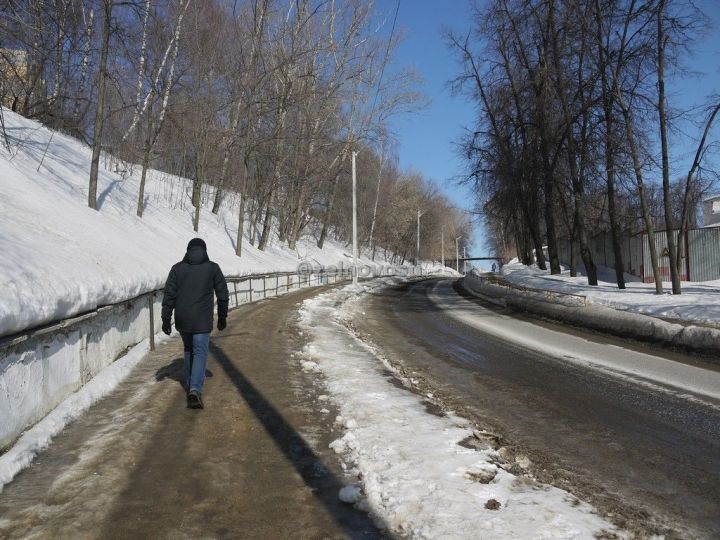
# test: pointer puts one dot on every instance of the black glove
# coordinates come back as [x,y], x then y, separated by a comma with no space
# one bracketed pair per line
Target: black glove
[167,328]
[222,324]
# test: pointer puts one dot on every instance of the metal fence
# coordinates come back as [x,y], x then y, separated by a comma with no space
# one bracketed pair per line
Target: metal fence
[704,254]
[663,258]
[603,254]
[700,259]
[243,289]
[53,360]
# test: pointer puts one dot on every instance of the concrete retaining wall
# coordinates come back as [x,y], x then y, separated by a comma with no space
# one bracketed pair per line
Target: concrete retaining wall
[38,373]
[39,369]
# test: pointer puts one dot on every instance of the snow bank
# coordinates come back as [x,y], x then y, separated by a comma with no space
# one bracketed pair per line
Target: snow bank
[410,468]
[682,380]
[699,302]
[628,317]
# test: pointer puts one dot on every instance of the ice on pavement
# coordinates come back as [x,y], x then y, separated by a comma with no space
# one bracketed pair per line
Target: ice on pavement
[413,473]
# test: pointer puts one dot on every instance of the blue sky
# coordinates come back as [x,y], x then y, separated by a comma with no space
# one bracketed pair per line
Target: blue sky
[426,139]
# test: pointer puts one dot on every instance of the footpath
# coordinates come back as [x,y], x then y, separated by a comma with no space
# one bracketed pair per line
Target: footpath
[254,463]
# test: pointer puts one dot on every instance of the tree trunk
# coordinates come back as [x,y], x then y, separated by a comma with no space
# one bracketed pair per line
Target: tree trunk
[252,230]
[145,164]
[141,67]
[377,199]
[684,220]
[217,201]
[241,226]
[667,194]
[197,201]
[578,193]
[534,228]
[100,113]
[267,224]
[84,67]
[550,227]
[647,218]
[585,251]
[610,174]
[330,204]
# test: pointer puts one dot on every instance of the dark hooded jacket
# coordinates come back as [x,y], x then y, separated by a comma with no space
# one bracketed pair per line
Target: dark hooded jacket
[189,291]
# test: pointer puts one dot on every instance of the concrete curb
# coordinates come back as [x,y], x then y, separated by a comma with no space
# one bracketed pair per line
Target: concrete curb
[601,318]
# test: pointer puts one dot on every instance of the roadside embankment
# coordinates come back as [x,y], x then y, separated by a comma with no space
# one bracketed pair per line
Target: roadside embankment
[575,309]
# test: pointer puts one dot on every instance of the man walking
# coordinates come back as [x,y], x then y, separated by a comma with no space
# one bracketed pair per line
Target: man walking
[189,291]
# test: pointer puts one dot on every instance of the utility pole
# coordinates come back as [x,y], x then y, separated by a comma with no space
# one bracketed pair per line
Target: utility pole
[464,262]
[354,232]
[442,247]
[457,254]
[417,247]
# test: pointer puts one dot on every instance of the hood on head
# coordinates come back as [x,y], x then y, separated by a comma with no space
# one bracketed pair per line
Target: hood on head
[196,254]
[197,242]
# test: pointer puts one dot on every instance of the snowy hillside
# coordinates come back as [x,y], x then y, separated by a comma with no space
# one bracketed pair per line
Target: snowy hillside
[61,258]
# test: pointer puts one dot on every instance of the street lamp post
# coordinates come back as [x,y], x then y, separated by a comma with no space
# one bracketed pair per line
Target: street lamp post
[417,247]
[354,225]
[442,247]
[457,254]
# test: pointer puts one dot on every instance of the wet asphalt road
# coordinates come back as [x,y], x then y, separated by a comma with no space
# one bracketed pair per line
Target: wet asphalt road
[650,460]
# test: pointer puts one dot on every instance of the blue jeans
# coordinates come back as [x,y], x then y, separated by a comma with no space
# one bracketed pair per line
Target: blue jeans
[196,353]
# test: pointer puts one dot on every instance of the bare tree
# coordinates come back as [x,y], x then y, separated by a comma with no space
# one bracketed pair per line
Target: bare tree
[100,107]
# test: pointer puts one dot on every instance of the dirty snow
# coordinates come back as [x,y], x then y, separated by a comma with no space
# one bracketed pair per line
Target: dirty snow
[699,301]
[407,466]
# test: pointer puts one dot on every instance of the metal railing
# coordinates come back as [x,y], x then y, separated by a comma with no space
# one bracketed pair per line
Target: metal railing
[256,289]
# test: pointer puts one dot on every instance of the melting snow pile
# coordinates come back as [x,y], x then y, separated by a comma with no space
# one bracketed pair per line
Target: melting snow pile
[699,302]
[412,473]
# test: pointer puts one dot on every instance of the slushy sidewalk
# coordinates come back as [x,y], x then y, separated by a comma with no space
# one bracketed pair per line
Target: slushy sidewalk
[254,464]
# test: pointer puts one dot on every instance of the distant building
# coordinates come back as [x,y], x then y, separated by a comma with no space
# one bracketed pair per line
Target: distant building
[711,211]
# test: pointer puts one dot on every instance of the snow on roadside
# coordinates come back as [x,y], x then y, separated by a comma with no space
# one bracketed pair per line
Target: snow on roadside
[37,438]
[415,476]
[699,302]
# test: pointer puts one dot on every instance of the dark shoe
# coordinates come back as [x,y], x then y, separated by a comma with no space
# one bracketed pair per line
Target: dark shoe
[194,400]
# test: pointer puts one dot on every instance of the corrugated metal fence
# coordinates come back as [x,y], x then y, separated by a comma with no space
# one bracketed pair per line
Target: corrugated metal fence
[704,251]
[700,254]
